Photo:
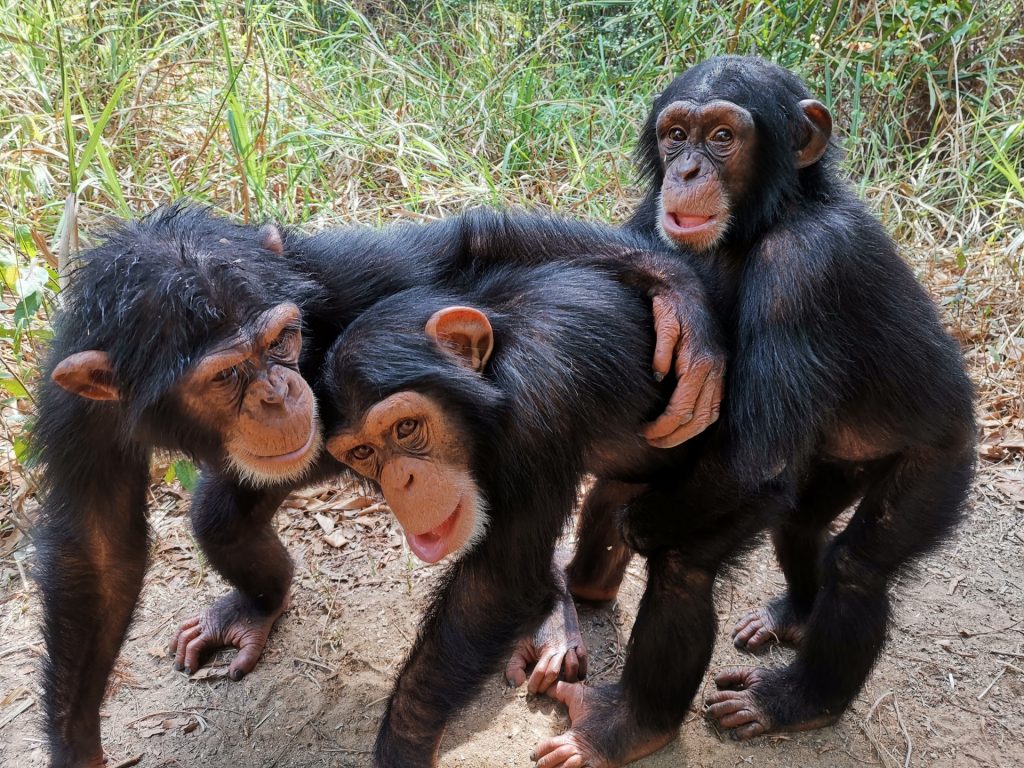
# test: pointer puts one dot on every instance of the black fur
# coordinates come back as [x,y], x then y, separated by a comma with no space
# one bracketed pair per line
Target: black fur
[157,295]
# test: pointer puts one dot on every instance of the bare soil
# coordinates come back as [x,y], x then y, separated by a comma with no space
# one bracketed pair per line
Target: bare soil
[947,692]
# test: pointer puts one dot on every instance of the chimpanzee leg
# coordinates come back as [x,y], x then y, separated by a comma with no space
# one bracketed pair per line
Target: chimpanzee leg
[233,525]
[912,503]
[669,649]
[92,557]
[484,604]
[601,557]
[799,541]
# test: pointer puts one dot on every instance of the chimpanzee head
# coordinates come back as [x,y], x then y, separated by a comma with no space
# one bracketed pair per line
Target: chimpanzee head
[190,326]
[725,146]
[408,379]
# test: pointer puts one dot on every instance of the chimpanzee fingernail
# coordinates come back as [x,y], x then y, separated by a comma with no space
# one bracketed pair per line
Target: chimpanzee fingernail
[237,674]
[187,671]
[659,376]
[178,666]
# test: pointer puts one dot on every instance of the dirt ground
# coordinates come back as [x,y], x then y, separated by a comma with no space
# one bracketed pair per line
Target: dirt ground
[947,692]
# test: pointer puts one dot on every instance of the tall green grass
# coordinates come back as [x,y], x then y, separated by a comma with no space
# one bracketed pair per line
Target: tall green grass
[333,112]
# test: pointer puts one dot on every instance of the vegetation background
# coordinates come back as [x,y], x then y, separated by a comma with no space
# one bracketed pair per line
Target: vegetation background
[326,113]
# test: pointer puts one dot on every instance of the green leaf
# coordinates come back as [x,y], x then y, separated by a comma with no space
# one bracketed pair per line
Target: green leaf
[21,451]
[13,386]
[186,473]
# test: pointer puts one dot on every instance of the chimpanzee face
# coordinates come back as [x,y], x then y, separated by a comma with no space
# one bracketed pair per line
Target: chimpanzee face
[412,446]
[711,149]
[708,152]
[247,390]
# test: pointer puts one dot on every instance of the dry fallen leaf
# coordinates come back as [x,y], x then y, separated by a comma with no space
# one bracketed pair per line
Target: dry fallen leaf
[356,502]
[209,673]
[336,539]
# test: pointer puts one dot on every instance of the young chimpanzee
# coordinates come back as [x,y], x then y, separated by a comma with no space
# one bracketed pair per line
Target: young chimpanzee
[188,333]
[477,413]
[843,388]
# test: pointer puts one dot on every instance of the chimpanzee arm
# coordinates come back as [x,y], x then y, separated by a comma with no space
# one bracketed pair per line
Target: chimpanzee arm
[472,623]
[790,368]
[92,543]
[688,334]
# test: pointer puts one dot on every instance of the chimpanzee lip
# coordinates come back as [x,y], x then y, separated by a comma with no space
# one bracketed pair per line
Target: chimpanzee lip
[290,456]
[673,225]
[431,546]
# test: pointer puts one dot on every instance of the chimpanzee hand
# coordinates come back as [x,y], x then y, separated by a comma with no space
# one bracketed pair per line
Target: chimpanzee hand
[555,651]
[699,367]
[231,621]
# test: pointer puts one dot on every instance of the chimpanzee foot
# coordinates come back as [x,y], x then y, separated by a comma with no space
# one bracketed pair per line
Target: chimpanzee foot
[555,650]
[232,621]
[776,622]
[752,701]
[603,734]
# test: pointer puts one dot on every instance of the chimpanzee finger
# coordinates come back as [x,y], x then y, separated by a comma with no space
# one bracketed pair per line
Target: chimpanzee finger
[184,638]
[570,667]
[582,656]
[194,652]
[545,674]
[706,411]
[557,757]
[668,331]
[677,424]
[245,661]
[515,670]
[173,645]
[748,731]
[745,620]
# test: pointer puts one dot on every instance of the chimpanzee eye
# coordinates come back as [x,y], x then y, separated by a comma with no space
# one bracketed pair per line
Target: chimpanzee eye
[406,427]
[228,374]
[361,452]
[722,136]
[677,134]
[282,345]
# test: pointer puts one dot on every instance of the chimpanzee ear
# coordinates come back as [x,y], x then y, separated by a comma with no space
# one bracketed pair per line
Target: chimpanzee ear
[87,374]
[270,238]
[817,132]
[464,332]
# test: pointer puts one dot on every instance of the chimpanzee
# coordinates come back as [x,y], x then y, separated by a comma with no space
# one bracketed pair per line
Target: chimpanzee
[186,332]
[476,413]
[843,388]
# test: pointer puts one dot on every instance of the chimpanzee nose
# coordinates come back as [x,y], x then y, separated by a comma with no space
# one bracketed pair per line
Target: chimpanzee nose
[690,167]
[275,390]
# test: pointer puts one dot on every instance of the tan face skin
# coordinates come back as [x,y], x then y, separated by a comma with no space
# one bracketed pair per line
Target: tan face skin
[247,389]
[707,151]
[412,450]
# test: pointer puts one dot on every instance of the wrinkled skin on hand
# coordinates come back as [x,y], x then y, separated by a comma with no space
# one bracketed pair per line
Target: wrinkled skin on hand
[699,370]
[232,621]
